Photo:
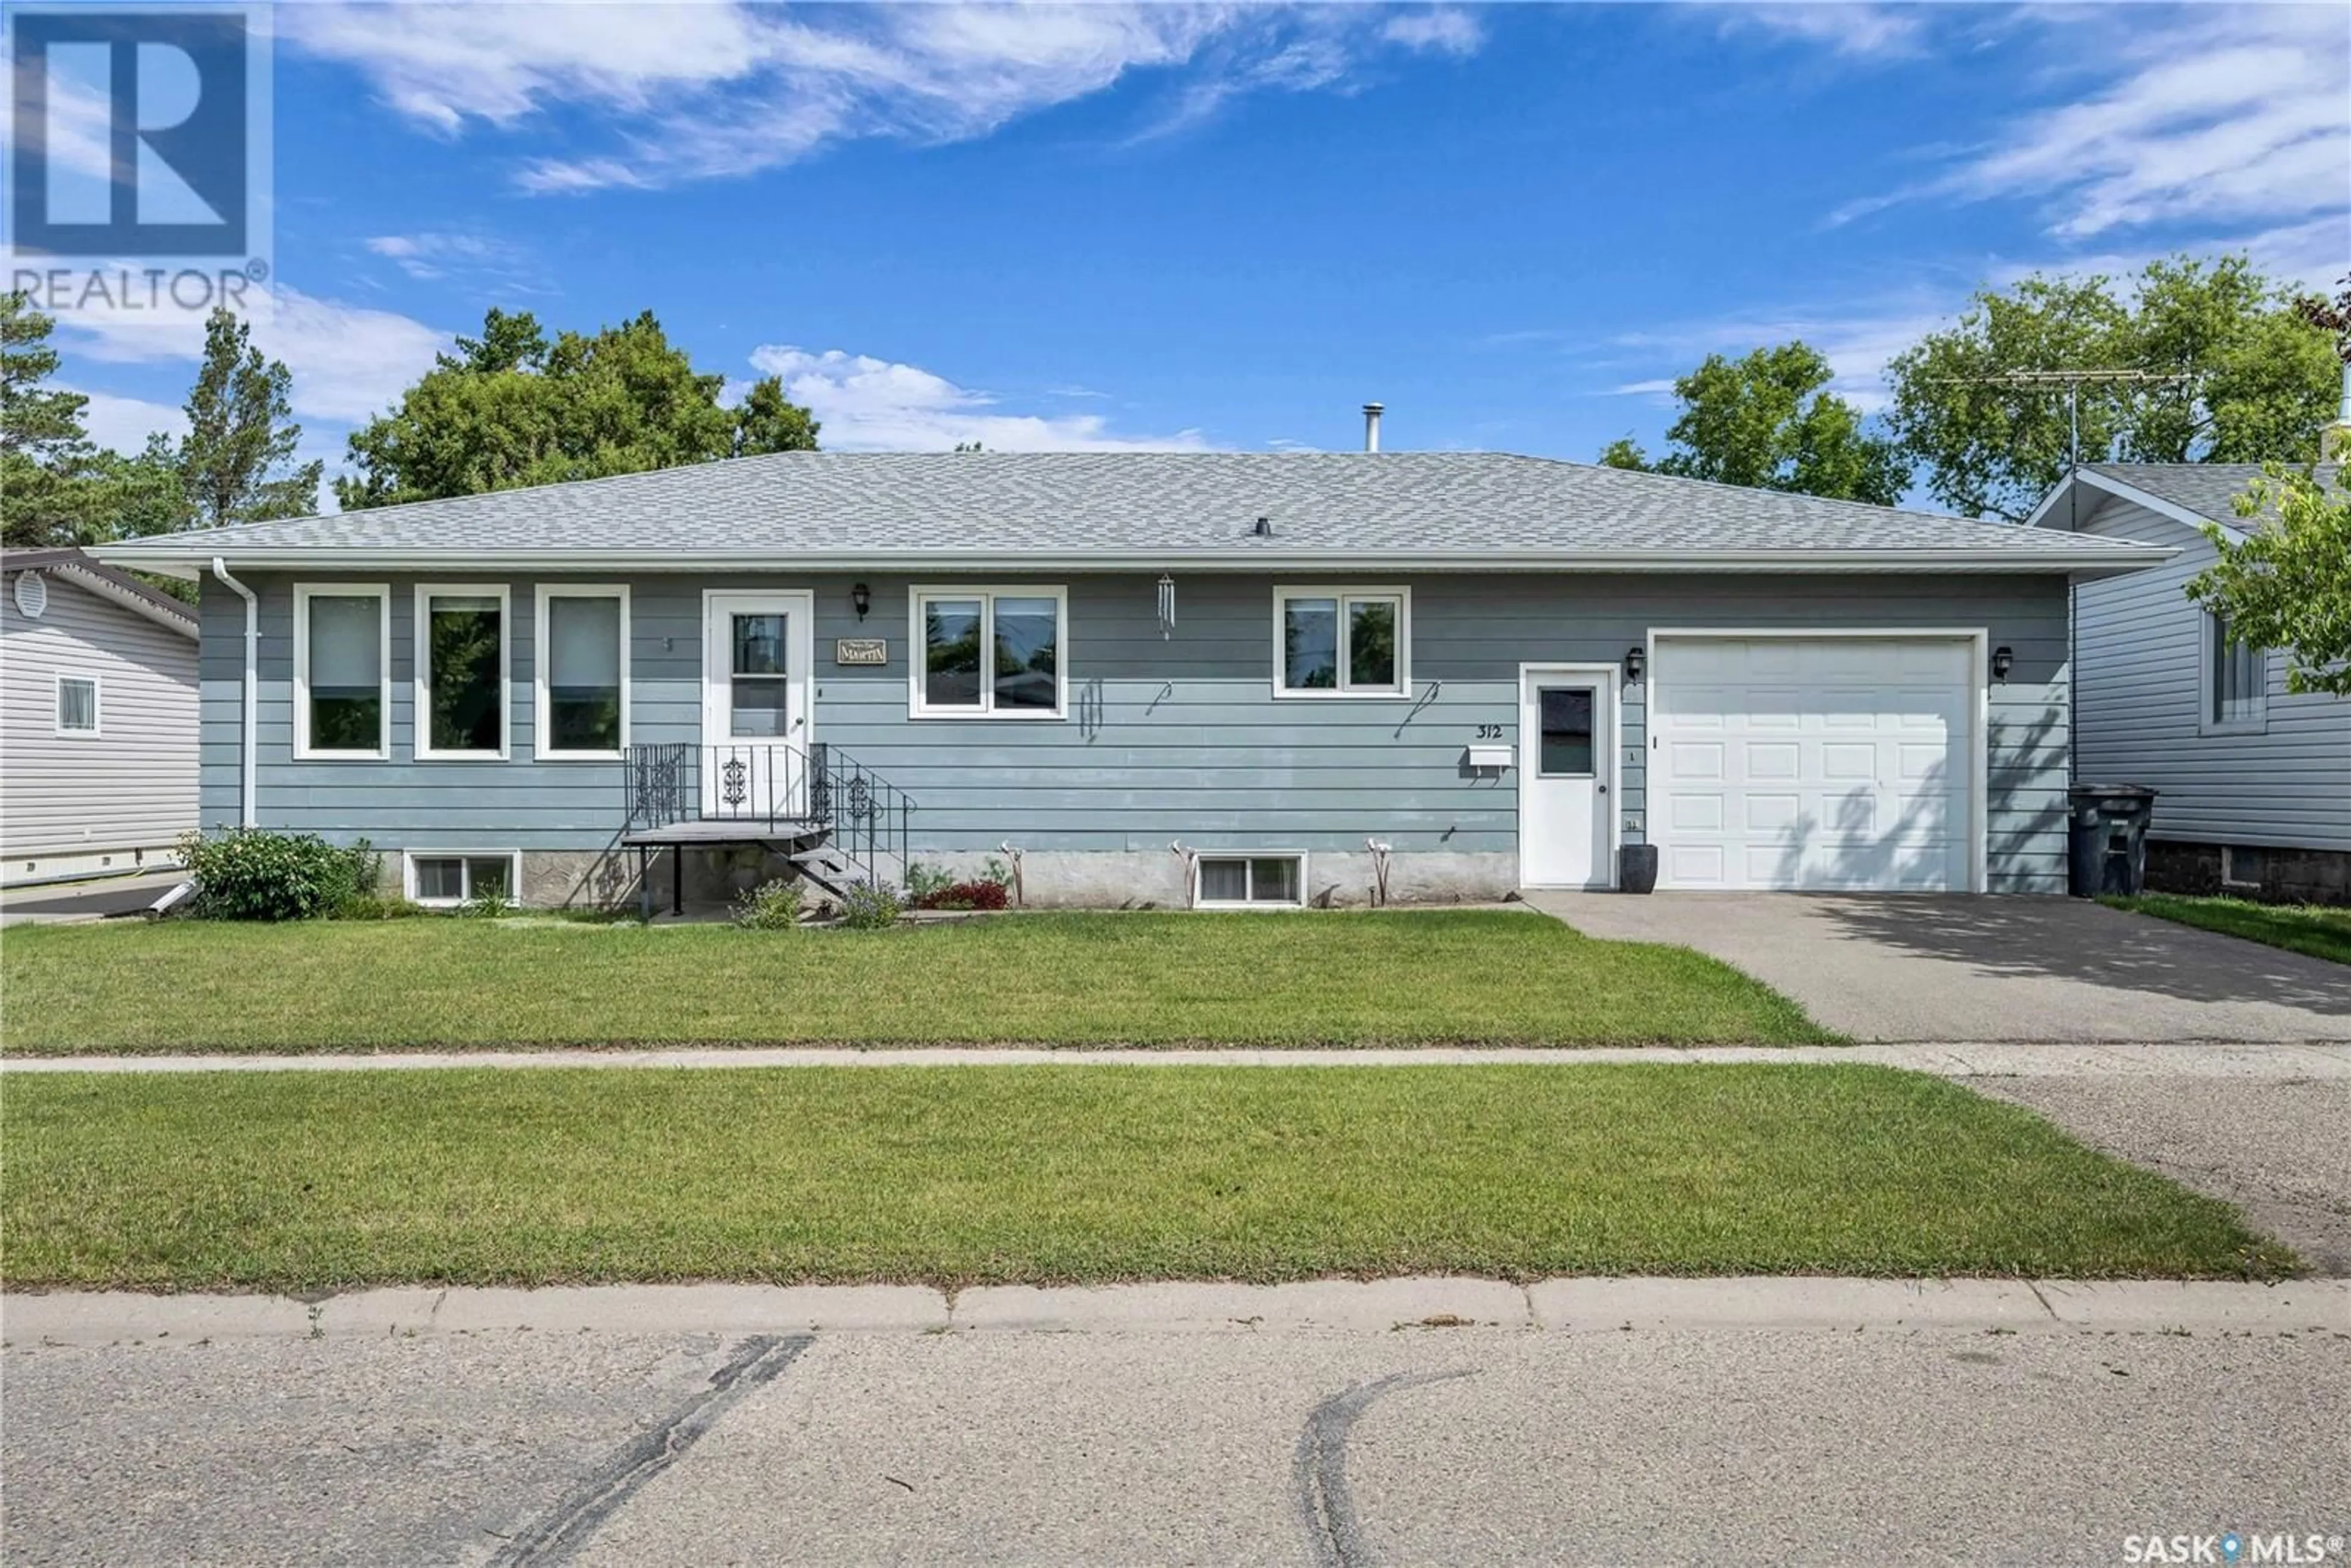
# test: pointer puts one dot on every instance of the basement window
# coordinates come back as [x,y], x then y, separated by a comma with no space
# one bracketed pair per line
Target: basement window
[2241,866]
[446,881]
[1250,882]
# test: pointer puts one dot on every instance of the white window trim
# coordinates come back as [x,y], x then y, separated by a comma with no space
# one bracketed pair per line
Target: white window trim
[542,676]
[2208,717]
[1298,855]
[918,652]
[409,858]
[303,593]
[421,715]
[2229,877]
[1283,594]
[96,707]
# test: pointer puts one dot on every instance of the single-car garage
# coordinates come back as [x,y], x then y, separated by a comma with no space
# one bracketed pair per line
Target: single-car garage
[1814,761]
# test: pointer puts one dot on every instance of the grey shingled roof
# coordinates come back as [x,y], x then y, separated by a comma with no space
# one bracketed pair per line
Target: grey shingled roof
[77,563]
[2207,490]
[1118,505]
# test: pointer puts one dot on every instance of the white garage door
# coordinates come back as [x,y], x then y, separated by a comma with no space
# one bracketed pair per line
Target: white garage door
[1835,762]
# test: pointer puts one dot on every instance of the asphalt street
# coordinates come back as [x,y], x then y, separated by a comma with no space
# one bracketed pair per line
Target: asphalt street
[1410,1445]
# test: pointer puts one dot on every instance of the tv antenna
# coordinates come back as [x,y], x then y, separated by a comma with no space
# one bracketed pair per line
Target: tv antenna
[2072,382]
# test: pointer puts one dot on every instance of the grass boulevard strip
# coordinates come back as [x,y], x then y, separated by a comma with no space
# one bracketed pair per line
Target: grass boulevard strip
[1403,978]
[956,1176]
[2313,930]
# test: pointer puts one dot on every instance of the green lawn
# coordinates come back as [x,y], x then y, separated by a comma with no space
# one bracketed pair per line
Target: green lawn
[2318,930]
[1408,977]
[306,1181]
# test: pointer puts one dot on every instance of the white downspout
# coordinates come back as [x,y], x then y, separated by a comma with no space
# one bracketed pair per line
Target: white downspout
[247,815]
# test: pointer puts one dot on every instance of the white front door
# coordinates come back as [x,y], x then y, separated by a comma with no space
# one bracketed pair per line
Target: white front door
[1814,762]
[1566,748]
[758,650]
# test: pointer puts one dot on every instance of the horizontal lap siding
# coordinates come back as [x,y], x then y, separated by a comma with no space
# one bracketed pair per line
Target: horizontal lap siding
[133,784]
[1180,739]
[2142,694]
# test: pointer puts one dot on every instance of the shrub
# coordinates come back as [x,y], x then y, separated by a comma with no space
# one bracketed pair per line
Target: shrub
[490,904]
[251,874]
[925,882]
[770,907]
[965,896]
[868,906]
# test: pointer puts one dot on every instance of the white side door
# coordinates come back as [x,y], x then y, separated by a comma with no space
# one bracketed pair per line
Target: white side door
[757,652]
[1566,753]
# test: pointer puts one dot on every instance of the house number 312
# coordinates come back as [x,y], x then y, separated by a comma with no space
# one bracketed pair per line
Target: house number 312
[1489,732]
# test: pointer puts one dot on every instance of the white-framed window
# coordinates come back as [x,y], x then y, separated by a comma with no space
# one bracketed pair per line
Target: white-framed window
[78,704]
[583,683]
[1258,880]
[342,670]
[990,652]
[2241,866]
[2236,681]
[443,879]
[460,670]
[1341,642]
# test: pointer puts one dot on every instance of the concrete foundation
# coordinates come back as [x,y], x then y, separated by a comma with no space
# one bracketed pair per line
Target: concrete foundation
[1162,879]
[1048,879]
[2269,873]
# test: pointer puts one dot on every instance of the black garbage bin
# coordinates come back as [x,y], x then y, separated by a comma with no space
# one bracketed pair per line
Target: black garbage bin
[2105,839]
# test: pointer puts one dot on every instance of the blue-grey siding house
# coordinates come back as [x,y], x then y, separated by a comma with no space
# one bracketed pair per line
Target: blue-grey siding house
[2253,780]
[1173,679]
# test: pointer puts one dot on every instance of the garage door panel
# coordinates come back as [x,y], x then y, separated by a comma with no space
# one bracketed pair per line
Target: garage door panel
[1854,775]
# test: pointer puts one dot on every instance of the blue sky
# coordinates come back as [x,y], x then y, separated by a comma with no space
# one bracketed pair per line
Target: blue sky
[1228,226]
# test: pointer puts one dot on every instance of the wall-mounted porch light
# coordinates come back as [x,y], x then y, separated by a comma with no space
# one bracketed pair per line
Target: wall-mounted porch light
[861,599]
[2003,659]
[1635,660]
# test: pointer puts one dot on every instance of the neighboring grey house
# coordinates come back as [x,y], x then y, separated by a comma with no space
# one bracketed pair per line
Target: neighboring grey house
[98,719]
[1196,678]
[2255,782]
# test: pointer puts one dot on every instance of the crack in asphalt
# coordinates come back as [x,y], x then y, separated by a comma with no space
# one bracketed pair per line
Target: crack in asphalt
[1325,1503]
[583,1509]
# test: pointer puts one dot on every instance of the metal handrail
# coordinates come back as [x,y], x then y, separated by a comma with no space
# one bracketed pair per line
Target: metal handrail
[766,788]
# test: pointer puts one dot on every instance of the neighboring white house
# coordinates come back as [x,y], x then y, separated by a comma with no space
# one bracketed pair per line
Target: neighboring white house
[2255,782]
[98,719]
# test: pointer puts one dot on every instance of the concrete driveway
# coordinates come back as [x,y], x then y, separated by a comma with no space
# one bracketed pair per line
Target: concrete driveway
[1987,969]
[67,902]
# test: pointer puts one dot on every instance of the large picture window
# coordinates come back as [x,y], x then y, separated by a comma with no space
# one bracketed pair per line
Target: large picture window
[990,653]
[342,659]
[1341,642]
[460,670]
[583,682]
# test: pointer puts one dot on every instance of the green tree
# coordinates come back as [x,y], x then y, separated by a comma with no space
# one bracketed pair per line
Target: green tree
[766,421]
[236,463]
[1766,422]
[2288,584]
[45,452]
[2253,380]
[513,408]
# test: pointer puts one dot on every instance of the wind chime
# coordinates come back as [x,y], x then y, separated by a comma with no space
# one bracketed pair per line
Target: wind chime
[1166,607]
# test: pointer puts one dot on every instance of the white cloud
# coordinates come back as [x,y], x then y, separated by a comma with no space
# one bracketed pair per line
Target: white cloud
[430,256]
[1444,30]
[869,404]
[703,91]
[348,362]
[124,423]
[1857,30]
[2230,115]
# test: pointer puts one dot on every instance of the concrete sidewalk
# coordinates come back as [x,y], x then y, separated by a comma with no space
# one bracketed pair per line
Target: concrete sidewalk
[1963,1058]
[1952,966]
[1376,1306]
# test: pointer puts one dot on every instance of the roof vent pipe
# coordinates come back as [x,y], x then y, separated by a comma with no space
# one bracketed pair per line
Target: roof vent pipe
[1371,411]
